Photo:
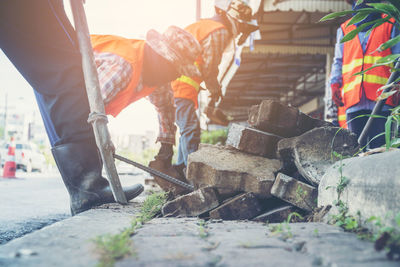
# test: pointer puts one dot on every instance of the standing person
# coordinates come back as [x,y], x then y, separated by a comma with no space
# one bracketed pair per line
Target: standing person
[357,94]
[214,35]
[41,43]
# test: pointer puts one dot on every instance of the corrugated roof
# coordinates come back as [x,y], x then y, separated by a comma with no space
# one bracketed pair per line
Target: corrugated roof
[290,50]
[324,6]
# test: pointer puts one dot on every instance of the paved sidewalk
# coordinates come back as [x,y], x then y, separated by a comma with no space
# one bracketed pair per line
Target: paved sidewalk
[189,242]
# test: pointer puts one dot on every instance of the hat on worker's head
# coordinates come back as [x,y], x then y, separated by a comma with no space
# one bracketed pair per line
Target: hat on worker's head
[178,47]
[240,11]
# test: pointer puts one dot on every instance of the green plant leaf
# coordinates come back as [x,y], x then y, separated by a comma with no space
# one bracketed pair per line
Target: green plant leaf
[397,219]
[395,3]
[360,16]
[354,32]
[388,59]
[392,42]
[388,128]
[336,15]
[385,8]
[385,95]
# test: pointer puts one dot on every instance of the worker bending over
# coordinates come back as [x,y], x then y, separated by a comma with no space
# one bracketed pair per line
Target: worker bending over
[214,35]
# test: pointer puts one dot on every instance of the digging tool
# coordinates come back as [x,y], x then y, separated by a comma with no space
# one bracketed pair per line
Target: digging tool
[155,172]
[378,107]
[97,116]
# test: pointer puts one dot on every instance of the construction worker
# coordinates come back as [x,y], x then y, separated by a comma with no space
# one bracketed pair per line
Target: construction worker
[39,40]
[214,35]
[131,69]
[357,94]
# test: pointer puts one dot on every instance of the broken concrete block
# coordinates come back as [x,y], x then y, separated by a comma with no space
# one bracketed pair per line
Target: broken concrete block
[370,186]
[273,117]
[242,207]
[252,141]
[231,171]
[277,215]
[316,150]
[174,189]
[295,192]
[193,204]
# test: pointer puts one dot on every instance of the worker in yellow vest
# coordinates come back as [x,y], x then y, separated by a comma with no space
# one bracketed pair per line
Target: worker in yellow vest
[357,94]
[214,35]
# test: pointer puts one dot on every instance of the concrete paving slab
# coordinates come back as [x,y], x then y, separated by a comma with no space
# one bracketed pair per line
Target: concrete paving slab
[190,242]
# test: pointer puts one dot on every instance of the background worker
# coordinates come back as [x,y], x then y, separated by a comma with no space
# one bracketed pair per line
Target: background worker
[358,93]
[214,35]
[131,69]
[39,40]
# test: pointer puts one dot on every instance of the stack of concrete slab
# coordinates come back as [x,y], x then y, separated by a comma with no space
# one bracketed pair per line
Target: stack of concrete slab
[268,168]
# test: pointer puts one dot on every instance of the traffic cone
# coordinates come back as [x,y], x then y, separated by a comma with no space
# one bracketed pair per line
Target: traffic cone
[10,165]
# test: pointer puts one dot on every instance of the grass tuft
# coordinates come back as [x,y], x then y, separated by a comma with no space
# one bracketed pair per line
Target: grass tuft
[115,247]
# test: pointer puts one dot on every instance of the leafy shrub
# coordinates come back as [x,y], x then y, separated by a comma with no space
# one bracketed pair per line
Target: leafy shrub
[214,137]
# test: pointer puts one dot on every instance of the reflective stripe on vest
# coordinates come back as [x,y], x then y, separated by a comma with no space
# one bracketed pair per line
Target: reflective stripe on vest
[356,60]
[342,119]
[190,81]
[359,62]
[367,78]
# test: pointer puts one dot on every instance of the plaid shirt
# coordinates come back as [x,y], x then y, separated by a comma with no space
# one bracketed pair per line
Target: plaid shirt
[114,74]
[163,98]
[213,48]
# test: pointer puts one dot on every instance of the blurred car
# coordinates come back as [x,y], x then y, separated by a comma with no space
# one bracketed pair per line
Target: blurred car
[27,156]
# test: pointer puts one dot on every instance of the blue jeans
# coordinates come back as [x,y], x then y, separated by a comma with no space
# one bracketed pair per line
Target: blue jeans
[189,128]
[41,43]
[377,127]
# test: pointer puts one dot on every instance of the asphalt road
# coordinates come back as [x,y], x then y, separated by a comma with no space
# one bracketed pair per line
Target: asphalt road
[30,202]
[34,200]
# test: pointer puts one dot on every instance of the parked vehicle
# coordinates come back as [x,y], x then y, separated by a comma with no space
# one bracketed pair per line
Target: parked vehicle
[27,156]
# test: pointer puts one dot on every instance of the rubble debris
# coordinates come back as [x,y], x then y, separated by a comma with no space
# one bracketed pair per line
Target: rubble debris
[277,215]
[313,152]
[193,204]
[242,207]
[273,117]
[252,141]
[295,192]
[231,171]
[370,187]
[173,189]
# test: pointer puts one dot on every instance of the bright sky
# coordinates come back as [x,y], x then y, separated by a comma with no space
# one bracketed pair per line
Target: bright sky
[127,18]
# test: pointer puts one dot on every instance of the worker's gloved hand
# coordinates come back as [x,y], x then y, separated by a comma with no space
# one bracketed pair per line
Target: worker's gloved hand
[165,153]
[216,94]
[337,94]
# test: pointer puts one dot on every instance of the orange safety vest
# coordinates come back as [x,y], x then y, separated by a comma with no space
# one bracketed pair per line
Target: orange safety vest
[189,87]
[356,60]
[132,51]
[342,117]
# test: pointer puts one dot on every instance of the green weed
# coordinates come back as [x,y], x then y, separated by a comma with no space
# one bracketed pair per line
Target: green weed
[203,229]
[283,230]
[115,247]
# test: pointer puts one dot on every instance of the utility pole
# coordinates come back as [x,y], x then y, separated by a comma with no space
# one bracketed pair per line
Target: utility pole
[198,10]
[5,117]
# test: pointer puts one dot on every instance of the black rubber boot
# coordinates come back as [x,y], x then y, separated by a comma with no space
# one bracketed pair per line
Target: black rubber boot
[80,167]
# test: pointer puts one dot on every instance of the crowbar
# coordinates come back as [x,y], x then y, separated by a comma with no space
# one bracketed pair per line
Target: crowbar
[97,116]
